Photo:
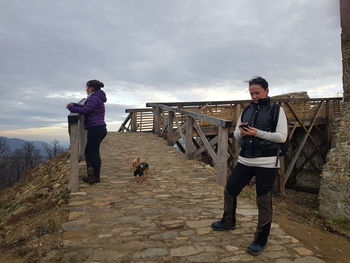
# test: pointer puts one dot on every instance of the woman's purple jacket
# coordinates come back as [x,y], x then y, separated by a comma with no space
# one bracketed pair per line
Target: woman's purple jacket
[93,109]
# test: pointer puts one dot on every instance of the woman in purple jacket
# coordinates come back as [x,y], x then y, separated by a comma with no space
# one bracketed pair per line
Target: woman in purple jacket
[94,113]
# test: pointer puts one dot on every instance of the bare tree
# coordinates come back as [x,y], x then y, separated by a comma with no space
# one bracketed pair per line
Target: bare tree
[4,155]
[53,150]
[4,148]
[21,160]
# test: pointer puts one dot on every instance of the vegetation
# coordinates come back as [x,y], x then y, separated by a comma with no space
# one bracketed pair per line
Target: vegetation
[15,164]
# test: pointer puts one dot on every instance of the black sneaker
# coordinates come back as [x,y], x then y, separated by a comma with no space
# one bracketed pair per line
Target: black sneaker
[219,226]
[255,249]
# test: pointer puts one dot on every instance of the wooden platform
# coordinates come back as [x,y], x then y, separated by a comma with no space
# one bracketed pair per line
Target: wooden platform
[205,129]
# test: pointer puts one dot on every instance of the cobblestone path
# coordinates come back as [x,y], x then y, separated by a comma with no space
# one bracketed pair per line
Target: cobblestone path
[166,218]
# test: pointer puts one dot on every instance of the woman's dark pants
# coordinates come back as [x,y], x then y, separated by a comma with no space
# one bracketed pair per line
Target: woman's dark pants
[95,135]
[241,176]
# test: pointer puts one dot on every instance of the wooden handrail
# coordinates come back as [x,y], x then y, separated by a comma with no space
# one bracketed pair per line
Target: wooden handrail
[164,123]
[77,138]
[226,102]
[213,120]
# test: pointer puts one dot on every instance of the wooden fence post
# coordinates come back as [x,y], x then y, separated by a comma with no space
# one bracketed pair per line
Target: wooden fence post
[188,137]
[156,120]
[74,156]
[235,143]
[222,156]
[170,128]
[82,138]
[133,122]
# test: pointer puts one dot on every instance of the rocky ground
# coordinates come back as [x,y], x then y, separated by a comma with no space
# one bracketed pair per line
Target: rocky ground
[32,212]
[37,224]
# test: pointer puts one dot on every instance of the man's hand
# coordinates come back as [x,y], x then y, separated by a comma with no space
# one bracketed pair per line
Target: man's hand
[249,131]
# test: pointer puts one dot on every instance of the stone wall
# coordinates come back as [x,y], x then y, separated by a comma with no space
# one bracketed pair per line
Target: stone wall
[345,45]
[335,178]
[334,192]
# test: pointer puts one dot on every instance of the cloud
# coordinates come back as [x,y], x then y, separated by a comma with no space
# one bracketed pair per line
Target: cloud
[159,50]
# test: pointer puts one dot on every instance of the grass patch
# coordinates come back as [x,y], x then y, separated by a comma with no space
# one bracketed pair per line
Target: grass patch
[340,222]
[47,228]
[6,208]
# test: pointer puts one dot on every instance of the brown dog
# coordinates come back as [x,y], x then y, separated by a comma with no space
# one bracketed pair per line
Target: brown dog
[140,170]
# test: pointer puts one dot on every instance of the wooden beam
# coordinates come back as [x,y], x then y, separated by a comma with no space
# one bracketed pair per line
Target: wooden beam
[222,156]
[301,145]
[170,128]
[139,110]
[311,125]
[180,146]
[217,121]
[225,102]
[156,120]
[82,134]
[188,137]
[122,127]
[133,121]
[74,157]
[179,129]
[203,147]
[235,143]
[206,143]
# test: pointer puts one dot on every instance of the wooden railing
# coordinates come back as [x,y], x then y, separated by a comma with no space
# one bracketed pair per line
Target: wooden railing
[302,109]
[77,137]
[138,120]
[193,138]
[171,120]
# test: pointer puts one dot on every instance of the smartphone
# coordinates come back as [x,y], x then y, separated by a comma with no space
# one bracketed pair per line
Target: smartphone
[243,126]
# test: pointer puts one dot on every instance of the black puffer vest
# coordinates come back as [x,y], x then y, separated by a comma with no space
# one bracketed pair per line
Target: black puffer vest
[258,115]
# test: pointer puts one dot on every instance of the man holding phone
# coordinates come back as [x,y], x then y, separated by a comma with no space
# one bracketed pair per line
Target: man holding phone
[259,136]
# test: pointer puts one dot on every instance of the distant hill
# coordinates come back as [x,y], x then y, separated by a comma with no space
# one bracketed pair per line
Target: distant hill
[15,143]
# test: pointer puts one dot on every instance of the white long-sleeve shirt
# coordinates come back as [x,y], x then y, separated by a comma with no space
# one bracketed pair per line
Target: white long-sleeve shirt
[279,136]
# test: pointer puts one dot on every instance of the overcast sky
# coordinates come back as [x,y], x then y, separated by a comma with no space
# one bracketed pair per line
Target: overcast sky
[157,50]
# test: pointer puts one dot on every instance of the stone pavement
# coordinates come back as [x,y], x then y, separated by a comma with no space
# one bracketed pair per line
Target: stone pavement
[166,218]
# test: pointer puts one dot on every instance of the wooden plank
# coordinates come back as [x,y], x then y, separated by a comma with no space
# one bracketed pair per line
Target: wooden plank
[213,120]
[282,173]
[122,127]
[156,120]
[235,144]
[311,124]
[205,142]
[74,157]
[222,156]
[188,138]
[203,147]
[150,110]
[163,133]
[301,145]
[307,159]
[82,138]
[133,121]
[180,146]
[225,102]
[170,128]
[179,129]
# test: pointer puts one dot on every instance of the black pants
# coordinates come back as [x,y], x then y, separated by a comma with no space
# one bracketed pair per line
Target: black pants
[95,135]
[241,176]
